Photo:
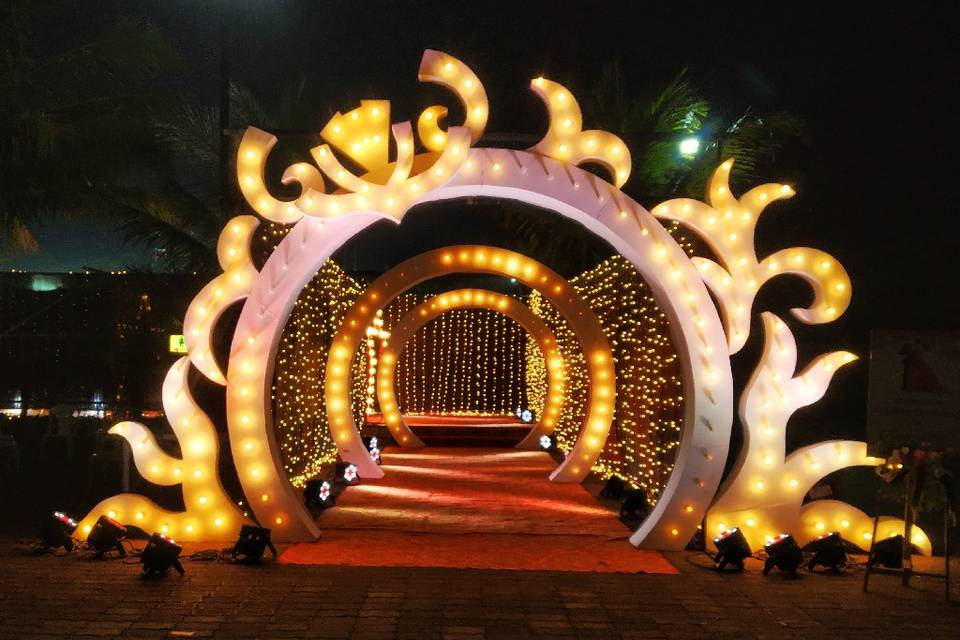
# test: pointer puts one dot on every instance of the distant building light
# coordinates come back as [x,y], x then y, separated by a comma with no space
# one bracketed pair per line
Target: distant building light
[177,344]
[44,282]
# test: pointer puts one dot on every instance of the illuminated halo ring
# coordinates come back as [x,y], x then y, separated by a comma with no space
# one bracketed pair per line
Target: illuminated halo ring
[420,315]
[535,180]
[474,259]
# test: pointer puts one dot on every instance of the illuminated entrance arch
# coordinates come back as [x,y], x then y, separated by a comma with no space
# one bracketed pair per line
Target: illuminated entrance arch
[474,259]
[469,299]
[547,175]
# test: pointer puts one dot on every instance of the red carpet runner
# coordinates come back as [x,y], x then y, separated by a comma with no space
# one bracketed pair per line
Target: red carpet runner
[473,508]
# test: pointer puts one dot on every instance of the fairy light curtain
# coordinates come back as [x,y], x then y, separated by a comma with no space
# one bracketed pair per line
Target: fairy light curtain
[648,418]
[467,362]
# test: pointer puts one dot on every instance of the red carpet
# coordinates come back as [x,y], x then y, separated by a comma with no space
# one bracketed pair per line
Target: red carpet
[473,508]
[416,419]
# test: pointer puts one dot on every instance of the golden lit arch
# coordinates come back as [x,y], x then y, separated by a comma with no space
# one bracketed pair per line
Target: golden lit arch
[474,259]
[469,299]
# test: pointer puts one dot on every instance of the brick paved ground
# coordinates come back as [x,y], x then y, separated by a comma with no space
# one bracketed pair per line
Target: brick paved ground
[72,596]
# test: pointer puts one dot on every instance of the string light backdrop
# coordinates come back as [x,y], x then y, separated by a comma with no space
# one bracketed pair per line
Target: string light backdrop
[648,418]
[467,362]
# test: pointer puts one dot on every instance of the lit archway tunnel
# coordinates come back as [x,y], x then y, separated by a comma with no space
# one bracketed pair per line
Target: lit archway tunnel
[486,260]
[430,309]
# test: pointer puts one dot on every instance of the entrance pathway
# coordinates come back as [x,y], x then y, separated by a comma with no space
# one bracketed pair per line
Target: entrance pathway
[473,508]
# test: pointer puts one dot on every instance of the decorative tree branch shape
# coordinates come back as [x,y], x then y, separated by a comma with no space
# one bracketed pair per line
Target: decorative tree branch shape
[728,224]
[209,514]
[764,493]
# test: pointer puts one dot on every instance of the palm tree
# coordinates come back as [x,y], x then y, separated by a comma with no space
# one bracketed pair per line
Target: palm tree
[178,212]
[67,102]
[652,124]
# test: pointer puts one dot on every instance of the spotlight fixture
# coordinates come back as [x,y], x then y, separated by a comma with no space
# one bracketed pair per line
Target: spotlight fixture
[526,416]
[251,544]
[828,551]
[784,553]
[105,536]
[888,553]
[56,532]
[546,442]
[160,554]
[732,548]
[317,493]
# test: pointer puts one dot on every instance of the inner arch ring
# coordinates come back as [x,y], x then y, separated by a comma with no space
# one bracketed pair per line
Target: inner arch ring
[539,181]
[585,325]
[432,308]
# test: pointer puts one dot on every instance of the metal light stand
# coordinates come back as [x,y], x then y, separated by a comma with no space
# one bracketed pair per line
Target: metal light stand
[907,571]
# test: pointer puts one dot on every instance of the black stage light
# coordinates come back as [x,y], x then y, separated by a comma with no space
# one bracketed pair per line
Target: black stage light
[56,532]
[634,505]
[318,493]
[526,416]
[732,548]
[106,536]
[251,544]
[888,553]
[159,555]
[546,443]
[828,551]
[784,553]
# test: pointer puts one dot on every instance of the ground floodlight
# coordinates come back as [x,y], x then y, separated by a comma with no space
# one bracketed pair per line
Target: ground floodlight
[251,544]
[105,536]
[888,553]
[828,551]
[56,532]
[526,416]
[732,548]
[160,554]
[784,553]
[546,442]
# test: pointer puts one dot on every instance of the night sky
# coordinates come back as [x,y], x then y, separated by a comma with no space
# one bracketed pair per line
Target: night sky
[874,86]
